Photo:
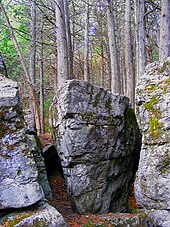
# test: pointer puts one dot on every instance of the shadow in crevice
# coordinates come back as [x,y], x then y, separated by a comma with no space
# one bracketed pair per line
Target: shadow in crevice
[52,161]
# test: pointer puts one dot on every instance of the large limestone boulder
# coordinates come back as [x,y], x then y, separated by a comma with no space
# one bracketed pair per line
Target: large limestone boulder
[152,185]
[19,186]
[98,141]
[35,150]
[39,215]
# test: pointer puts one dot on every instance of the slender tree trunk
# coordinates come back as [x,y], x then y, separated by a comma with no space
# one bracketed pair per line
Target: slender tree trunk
[32,40]
[41,81]
[140,37]
[128,54]
[164,49]
[69,43]
[115,67]
[108,64]
[32,46]
[62,61]
[101,64]
[31,88]
[86,43]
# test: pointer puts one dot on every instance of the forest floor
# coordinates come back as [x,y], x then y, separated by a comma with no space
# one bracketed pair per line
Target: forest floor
[61,202]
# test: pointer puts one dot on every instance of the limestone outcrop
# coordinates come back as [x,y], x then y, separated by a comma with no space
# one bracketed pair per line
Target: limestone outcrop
[152,185]
[98,141]
[23,179]
[19,185]
[32,141]
[39,215]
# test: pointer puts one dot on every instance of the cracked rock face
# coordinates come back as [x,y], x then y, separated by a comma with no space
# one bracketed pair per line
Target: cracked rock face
[98,141]
[19,186]
[152,185]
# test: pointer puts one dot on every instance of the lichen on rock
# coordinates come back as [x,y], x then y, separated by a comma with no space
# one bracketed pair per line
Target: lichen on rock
[152,186]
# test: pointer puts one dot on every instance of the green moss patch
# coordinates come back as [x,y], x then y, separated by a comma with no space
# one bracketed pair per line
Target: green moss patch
[155,127]
[15,218]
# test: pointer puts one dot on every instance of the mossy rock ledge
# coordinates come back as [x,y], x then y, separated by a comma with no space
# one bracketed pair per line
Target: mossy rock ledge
[152,185]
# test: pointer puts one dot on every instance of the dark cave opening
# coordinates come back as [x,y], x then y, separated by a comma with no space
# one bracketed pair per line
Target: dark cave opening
[52,161]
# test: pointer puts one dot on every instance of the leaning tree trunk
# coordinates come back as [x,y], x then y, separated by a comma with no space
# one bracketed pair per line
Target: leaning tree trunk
[128,54]
[164,49]
[32,92]
[115,67]
[62,61]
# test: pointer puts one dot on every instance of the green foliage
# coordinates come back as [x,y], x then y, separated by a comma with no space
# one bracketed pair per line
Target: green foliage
[21,31]
[47,104]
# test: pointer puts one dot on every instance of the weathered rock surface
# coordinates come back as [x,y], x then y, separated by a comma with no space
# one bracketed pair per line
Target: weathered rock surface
[98,142]
[152,185]
[32,141]
[3,70]
[19,186]
[39,215]
[159,218]
[143,218]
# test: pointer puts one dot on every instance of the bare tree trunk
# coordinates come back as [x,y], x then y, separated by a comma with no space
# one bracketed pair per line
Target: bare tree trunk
[32,46]
[69,44]
[32,39]
[108,64]
[128,54]
[140,37]
[164,49]
[101,64]
[62,61]
[41,81]
[115,67]
[86,43]
[31,88]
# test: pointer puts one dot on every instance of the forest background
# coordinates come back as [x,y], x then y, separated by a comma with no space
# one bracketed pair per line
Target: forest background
[106,42]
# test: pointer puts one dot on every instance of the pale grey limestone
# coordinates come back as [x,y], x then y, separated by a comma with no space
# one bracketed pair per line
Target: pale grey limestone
[19,186]
[40,214]
[152,185]
[98,141]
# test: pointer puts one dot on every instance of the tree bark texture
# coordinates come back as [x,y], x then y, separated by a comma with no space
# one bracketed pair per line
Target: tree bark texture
[69,43]
[115,67]
[62,60]
[32,39]
[128,54]
[164,49]
[86,43]
[140,37]
[41,80]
